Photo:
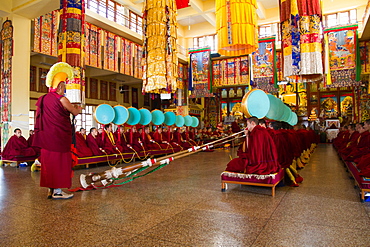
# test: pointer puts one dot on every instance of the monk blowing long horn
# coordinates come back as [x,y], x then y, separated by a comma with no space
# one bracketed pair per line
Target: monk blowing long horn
[114,172]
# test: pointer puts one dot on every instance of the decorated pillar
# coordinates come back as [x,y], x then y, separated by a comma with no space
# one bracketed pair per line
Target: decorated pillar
[160,47]
[71,44]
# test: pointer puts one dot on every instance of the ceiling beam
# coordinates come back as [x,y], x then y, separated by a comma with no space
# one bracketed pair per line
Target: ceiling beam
[261,12]
[197,5]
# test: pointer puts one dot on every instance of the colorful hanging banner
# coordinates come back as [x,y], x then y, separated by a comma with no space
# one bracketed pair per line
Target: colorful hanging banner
[110,51]
[264,66]
[200,73]
[71,45]
[342,56]
[46,34]
[365,57]
[93,46]
[6,45]
[126,57]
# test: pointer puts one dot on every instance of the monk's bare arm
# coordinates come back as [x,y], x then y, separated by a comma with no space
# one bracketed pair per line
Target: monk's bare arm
[71,108]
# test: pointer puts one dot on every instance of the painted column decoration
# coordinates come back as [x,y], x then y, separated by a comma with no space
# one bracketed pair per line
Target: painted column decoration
[6,44]
[71,44]
[160,62]
[236,27]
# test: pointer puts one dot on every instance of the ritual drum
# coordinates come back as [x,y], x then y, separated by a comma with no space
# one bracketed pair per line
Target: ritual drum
[121,115]
[169,118]
[188,120]
[158,117]
[195,122]
[293,119]
[179,121]
[145,116]
[276,110]
[104,114]
[255,103]
[286,115]
[134,116]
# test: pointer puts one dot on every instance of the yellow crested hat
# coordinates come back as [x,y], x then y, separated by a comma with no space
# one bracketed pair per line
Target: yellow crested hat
[57,73]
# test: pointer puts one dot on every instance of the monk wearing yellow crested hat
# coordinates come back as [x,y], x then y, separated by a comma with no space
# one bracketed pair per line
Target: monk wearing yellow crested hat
[53,132]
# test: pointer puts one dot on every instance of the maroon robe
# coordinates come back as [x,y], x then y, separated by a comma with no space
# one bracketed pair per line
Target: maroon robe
[30,143]
[352,141]
[94,143]
[283,148]
[169,137]
[177,137]
[53,134]
[235,127]
[110,145]
[17,148]
[122,141]
[158,137]
[259,156]
[362,147]
[133,138]
[82,149]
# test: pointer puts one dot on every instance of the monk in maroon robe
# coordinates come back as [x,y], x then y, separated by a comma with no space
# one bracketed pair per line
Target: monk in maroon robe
[53,134]
[361,147]
[122,140]
[30,143]
[169,136]
[135,140]
[259,155]
[17,148]
[94,142]
[82,149]
[177,137]
[149,141]
[109,142]
[346,147]
[158,137]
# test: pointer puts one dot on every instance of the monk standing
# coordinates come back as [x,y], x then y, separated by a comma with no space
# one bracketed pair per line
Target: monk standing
[53,123]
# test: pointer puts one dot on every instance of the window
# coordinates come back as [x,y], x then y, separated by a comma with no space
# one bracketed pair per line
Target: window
[117,13]
[85,119]
[31,120]
[341,18]
[269,30]
[206,41]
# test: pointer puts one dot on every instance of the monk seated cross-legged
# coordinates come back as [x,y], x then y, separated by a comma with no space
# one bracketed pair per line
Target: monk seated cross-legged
[82,149]
[94,142]
[17,148]
[161,139]
[257,154]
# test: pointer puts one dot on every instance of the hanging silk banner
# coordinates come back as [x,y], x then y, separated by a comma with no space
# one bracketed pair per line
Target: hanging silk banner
[200,73]
[365,57]
[46,34]
[6,45]
[279,65]
[216,70]
[160,48]
[71,45]
[342,56]
[301,40]
[180,79]
[264,66]
[139,62]
[110,51]
[230,72]
[92,45]
[126,57]
[236,27]
[244,70]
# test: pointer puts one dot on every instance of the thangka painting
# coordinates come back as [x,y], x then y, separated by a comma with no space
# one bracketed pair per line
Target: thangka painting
[342,56]
[126,57]
[93,46]
[181,79]
[365,57]
[110,51]
[230,72]
[46,34]
[264,66]
[329,106]
[6,54]
[346,104]
[200,73]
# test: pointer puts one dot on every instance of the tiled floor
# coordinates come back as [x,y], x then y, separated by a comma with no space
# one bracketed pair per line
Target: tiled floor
[182,205]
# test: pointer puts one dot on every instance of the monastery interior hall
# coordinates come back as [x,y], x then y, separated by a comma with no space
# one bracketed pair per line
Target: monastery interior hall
[185,123]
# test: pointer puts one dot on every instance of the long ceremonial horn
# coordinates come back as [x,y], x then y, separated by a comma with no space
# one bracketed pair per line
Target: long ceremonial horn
[86,180]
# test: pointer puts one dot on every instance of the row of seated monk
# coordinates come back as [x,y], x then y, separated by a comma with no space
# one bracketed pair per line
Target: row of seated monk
[353,145]
[105,142]
[269,147]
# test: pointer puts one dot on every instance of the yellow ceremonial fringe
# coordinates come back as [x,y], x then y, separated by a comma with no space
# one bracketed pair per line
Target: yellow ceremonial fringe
[236,25]
[327,60]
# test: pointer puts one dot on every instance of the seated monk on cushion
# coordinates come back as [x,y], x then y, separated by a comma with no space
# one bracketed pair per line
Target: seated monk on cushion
[258,153]
[177,137]
[109,142]
[345,149]
[361,147]
[30,143]
[17,147]
[161,140]
[134,139]
[81,146]
[169,135]
[94,142]
[149,142]
[121,138]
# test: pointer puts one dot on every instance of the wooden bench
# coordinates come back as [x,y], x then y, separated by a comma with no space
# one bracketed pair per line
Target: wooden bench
[270,180]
